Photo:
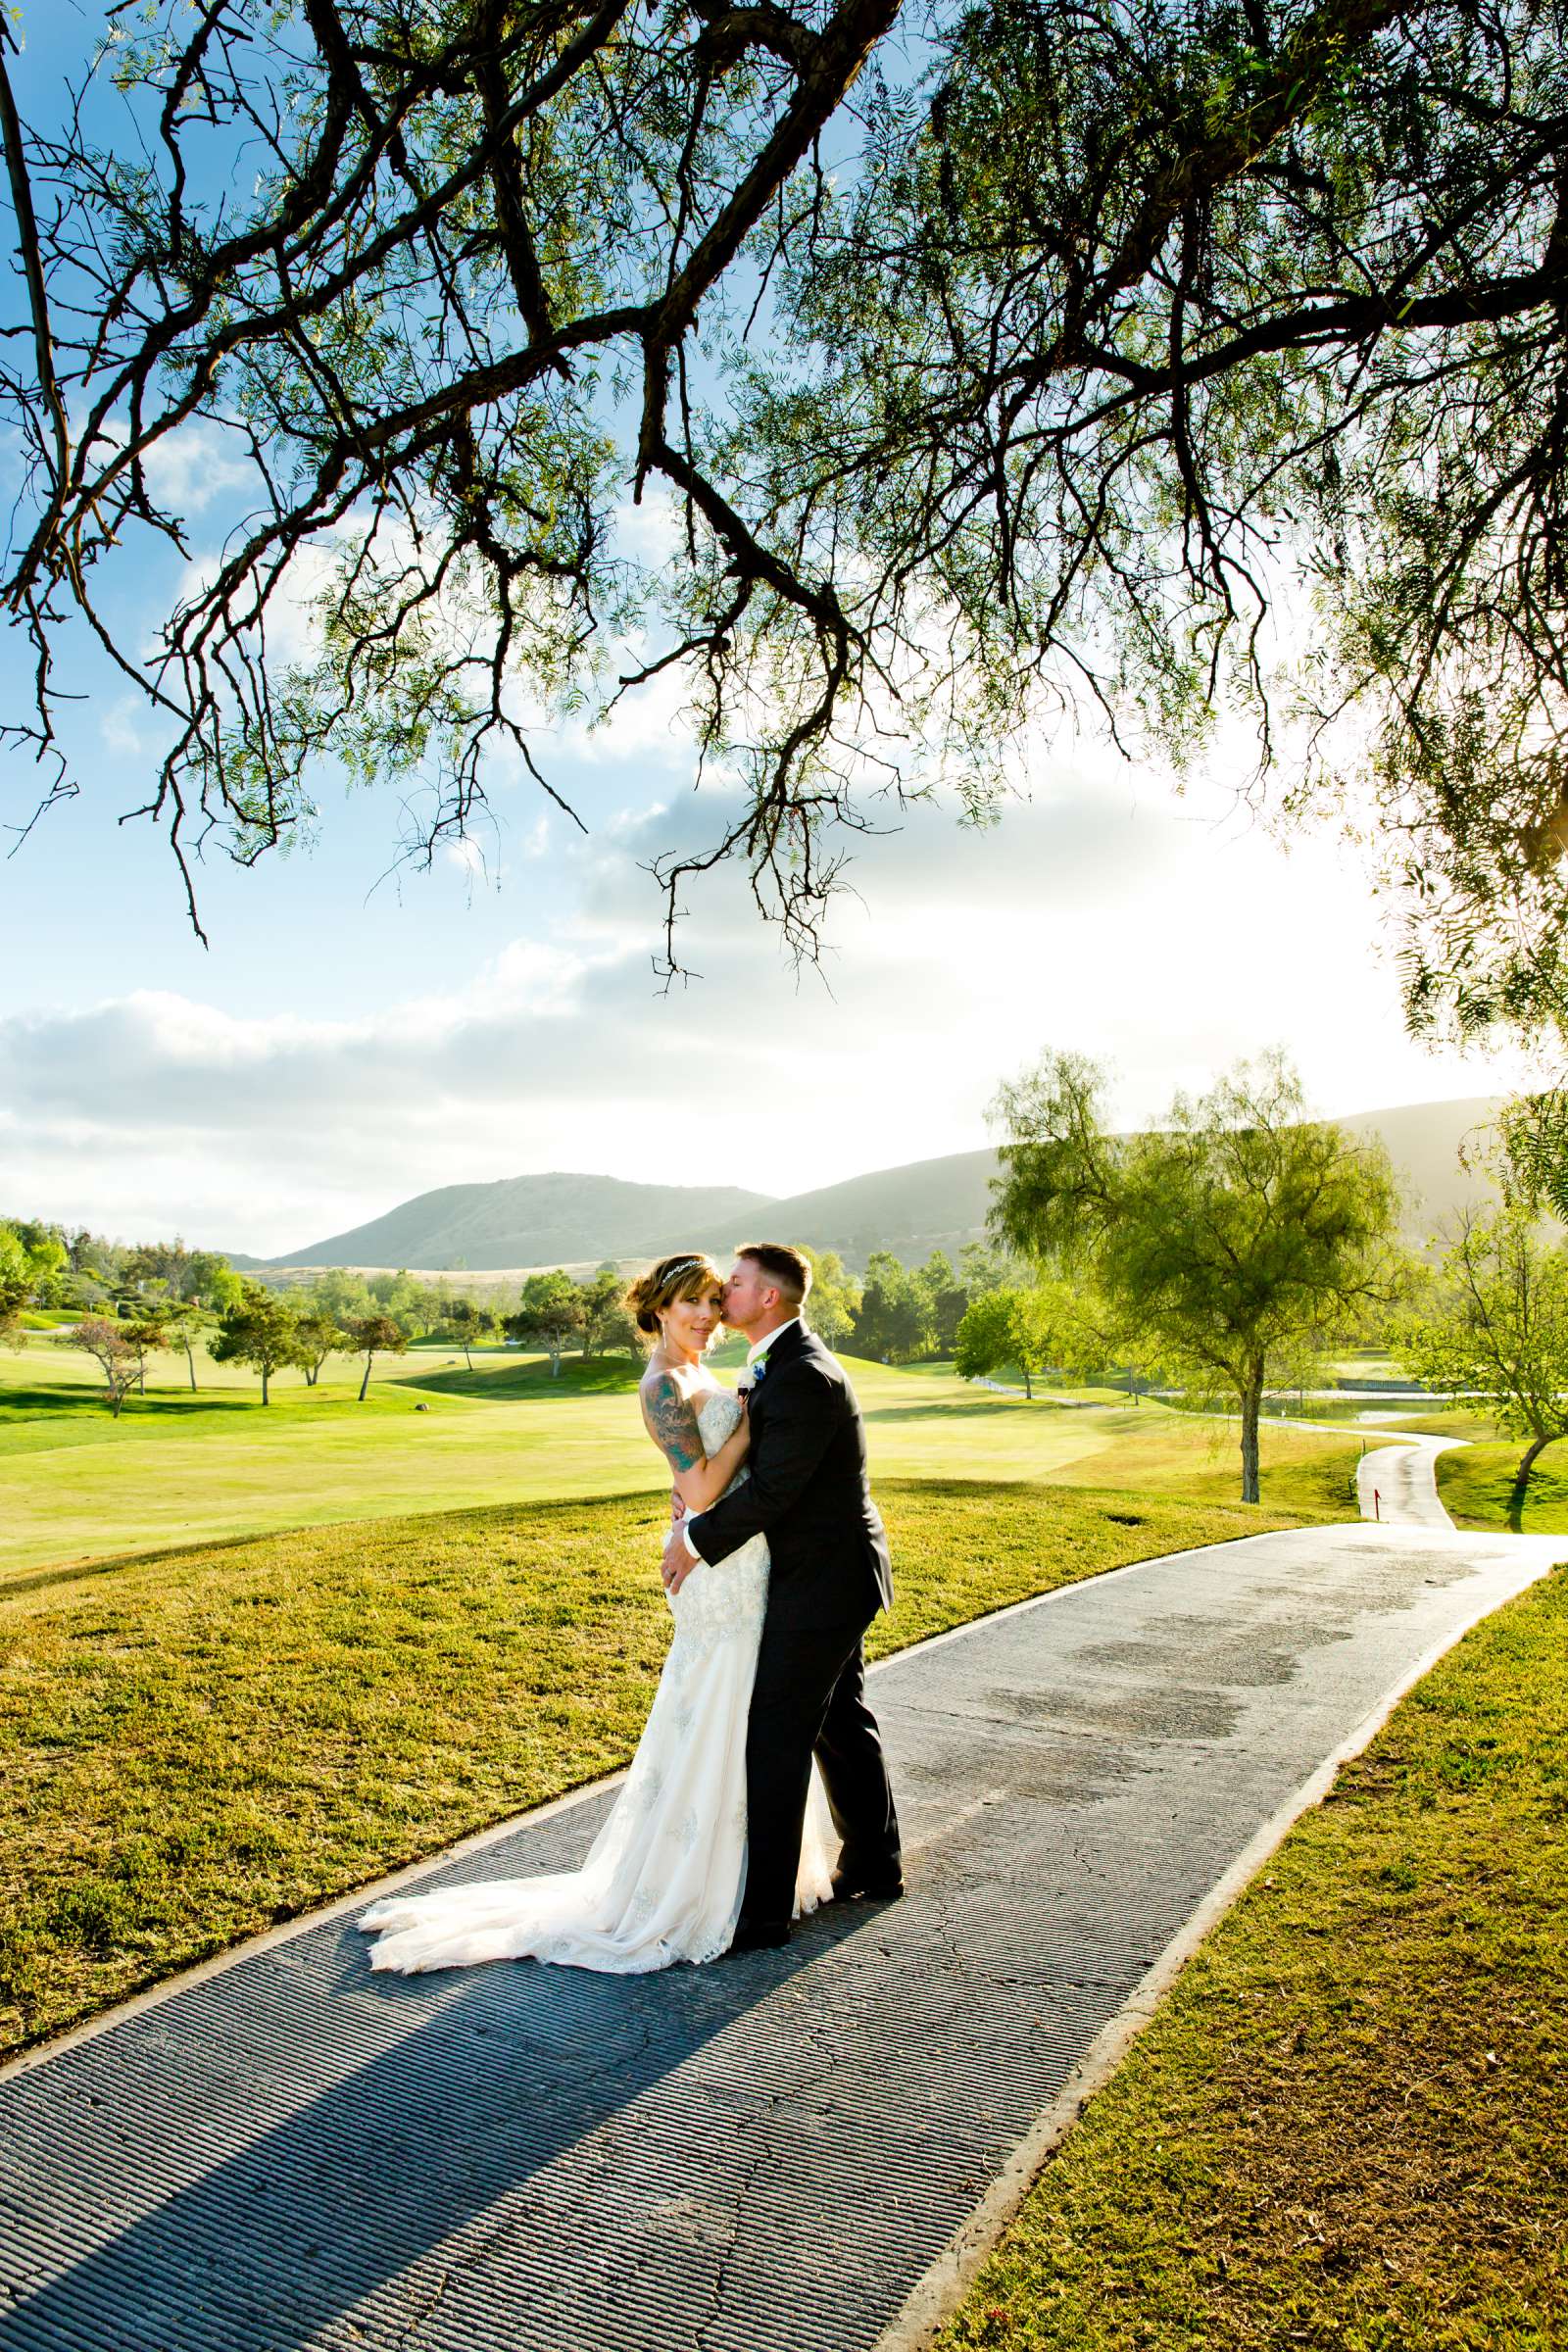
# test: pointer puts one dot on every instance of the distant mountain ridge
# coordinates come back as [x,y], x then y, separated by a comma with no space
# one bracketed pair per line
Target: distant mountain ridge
[558,1220]
[567,1219]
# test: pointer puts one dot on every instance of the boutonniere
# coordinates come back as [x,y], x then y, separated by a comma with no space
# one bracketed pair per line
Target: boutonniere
[757,1369]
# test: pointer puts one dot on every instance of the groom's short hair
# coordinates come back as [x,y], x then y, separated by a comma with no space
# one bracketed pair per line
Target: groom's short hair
[784,1267]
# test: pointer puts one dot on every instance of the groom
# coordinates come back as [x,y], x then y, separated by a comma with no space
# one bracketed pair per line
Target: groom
[809,1494]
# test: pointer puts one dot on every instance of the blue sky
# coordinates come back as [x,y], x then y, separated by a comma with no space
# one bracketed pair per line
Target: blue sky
[341,1045]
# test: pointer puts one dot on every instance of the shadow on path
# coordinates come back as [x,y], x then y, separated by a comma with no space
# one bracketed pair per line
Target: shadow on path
[261,2248]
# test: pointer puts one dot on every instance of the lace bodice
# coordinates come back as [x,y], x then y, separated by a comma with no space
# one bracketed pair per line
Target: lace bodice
[718,1601]
[717,1416]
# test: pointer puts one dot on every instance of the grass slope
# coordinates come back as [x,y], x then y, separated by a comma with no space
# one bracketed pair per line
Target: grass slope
[199,1744]
[77,1484]
[1476,1483]
[1344,2129]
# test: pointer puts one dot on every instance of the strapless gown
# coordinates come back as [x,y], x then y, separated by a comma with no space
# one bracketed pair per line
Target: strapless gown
[663,1879]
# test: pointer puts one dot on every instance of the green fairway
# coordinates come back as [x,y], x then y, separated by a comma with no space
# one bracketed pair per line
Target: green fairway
[77,1484]
[1446,1421]
[199,1744]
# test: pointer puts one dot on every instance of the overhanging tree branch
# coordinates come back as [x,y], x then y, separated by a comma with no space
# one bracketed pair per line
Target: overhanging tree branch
[1110,328]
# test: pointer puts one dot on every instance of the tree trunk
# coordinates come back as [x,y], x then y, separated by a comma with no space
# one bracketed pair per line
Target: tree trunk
[1252,1400]
[190,1359]
[1027,1389]
[468,1356]
[265,1378]
[1521,1477]
[365,1381]
[117,1398]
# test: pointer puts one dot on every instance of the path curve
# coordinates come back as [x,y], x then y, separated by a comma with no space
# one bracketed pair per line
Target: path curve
[1398,1484]
[770,2154]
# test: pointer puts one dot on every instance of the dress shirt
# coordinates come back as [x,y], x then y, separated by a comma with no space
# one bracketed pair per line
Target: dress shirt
[758,1348]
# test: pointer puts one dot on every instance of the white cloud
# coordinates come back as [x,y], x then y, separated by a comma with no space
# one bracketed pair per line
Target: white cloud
[1154,934]
[187,469]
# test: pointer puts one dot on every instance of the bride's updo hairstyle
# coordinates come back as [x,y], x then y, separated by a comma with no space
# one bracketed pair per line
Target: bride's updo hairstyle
[689,1275]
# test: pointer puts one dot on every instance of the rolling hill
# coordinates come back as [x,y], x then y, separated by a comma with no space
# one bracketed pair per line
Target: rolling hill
[534,1221]
[574,1220]
[1423,1142]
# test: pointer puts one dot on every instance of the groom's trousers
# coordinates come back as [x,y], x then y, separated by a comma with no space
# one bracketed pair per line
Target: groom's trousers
[809,1697]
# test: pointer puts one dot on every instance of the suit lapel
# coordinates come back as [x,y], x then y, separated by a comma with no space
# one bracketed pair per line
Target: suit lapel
[781,1351]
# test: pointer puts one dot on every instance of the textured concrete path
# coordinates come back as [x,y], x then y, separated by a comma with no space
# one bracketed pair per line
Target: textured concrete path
[769,2153]
[1398,1484]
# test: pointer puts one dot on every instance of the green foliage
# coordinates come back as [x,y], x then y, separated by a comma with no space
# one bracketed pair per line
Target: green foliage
[903,1313]
[604,1325]
[338,1295]
[407,1302]
[146,1334]
[317,1335]
[835,1297]
[117,1354]
[549,1314]
[371,1336]
[1031,1330]
[33,1260]
[469,1324]
[1241,1237]
[948,1300]
[1531,1155]
[1496,1324]
[983,1267]
[260,1330]
[198,1277]
[893,1321]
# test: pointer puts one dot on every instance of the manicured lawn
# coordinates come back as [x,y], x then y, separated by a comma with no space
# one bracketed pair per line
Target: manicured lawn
[1476,1483]
[1448,1421]
[250,1657]
[77,1484]
[197,1744]
[1344,2129]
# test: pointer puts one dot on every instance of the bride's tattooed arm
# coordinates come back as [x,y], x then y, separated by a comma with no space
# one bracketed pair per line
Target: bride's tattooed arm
[671,1421]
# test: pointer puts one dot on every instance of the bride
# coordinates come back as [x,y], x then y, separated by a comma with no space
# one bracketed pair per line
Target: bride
[663,1880]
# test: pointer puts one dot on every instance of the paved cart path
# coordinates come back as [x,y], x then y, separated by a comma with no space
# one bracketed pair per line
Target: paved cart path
[766,2153]
[1397,1485]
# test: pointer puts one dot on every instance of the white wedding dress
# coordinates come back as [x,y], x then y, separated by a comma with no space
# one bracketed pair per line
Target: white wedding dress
[663,1879]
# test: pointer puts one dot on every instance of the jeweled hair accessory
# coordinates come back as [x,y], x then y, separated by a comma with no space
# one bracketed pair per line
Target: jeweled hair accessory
[687,1265]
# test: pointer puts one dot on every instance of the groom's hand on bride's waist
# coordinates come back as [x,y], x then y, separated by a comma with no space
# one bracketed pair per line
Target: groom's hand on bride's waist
[679,1558]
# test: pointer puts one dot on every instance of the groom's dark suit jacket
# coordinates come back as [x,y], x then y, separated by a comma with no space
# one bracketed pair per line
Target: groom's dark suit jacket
[807,1492]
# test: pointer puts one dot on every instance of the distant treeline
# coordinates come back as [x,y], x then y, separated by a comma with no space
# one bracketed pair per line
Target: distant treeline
[897,1313]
